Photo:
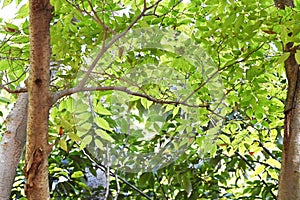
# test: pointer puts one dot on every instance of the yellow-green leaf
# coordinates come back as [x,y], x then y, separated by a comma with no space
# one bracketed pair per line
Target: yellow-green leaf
[99,144]
[146,103]
[283,58]
[87,139]
[77,174]
[63,144]
[259,170]
[74,137]
[65,124]
[297,56]
[274,163]
[104,135]
[101,110]
[175,111]
[102,123]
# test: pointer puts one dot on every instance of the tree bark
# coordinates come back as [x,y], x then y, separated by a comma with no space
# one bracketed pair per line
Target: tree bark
[12,145]
[39,102]
[289,182]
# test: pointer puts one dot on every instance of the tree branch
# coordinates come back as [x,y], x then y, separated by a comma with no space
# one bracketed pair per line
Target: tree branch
[16,91]
[116,38]
[63,93]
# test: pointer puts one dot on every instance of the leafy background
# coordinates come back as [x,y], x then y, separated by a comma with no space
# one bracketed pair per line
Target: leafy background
[244,39]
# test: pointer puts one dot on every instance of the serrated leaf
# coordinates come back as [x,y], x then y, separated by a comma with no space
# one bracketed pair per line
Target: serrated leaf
[102,123]
[63,144]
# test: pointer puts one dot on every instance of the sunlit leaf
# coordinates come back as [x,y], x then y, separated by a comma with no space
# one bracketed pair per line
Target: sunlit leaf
[63,144]
[104,135]
[102,123]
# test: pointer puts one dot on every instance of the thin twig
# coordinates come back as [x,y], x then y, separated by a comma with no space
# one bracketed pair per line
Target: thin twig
[104,168]
[116,38]
[118,187]
[249,164]
[107,172]
[223,68]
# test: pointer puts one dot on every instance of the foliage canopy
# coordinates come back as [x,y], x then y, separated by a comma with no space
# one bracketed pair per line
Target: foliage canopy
[244,40]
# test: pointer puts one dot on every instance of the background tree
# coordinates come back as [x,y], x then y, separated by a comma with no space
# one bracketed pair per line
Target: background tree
[244,38]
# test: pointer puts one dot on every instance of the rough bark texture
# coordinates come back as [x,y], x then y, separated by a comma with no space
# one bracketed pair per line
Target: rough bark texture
[12,145]
[39,102]
[289,183]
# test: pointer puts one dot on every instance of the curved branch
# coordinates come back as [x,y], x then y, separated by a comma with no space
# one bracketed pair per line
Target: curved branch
[63,93]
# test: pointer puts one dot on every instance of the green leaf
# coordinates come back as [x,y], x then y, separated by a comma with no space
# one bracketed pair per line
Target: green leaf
[4,100]
[74,137]
[259,169]
[23,12]
[297,56]
[4,64]
[175,111]
[274,163]
[283,58]
[225,139]
[6,2]
[102,123]
[63,144]
[83,129]
[99,144]
[101,110]
[87,140]
[186,184]
[146,103]
[65,124]
[57,4]
[104,135]
[77,174]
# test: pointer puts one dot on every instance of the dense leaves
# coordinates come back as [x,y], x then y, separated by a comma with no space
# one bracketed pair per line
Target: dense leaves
[239,160]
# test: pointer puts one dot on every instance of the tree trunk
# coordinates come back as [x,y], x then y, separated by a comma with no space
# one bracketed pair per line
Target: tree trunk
[39,102]
[289,182]
[12,145]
